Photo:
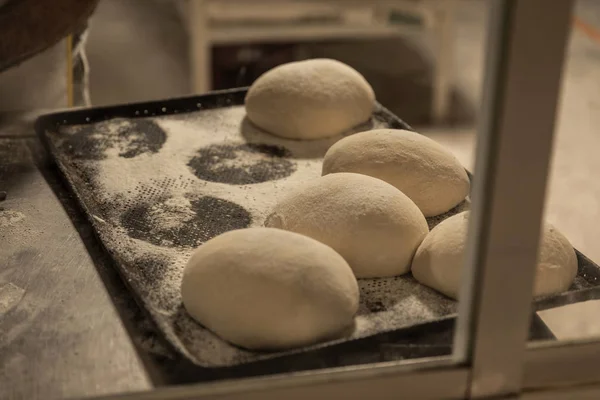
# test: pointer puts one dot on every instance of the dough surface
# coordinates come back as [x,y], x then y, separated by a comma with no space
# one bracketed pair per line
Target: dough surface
[420,167]
[310,99]
[269,289]
[374,226]
[439,260]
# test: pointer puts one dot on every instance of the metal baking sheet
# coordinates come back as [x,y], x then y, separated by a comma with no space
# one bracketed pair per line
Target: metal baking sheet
[158,179]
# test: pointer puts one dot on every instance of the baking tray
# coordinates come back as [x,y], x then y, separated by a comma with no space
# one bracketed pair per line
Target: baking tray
[133,165]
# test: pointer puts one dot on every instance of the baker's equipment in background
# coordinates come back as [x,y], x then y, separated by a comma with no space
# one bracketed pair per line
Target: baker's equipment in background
[214,23]
[42,59]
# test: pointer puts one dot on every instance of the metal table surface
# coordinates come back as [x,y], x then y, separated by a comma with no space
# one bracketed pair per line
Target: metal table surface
[60,330]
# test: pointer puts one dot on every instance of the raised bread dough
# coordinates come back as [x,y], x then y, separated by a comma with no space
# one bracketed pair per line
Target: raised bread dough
[310,99]
[421,168]
[439,260]
[373,225]
[267,289]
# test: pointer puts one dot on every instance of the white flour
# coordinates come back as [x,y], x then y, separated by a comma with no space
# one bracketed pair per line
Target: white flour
[9,218]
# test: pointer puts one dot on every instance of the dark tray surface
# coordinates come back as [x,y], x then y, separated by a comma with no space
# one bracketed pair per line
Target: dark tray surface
[354,349]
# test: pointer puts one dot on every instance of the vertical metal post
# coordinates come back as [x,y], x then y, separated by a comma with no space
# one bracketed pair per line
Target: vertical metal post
[526,49]
[444,28]
[69,78]
[200,46]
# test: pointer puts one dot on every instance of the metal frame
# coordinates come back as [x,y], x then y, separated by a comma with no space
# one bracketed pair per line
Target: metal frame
[420,379]
[580,393]
[531,85]
[526,51]
[525,61]
[549,364]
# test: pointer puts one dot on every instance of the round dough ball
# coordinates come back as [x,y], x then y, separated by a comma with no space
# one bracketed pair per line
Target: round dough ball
[439,260]
[421,168]
[310,99]
[374,226]
[268,289]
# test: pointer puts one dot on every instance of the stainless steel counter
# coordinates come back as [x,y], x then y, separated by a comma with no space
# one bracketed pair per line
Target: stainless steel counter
[60,331]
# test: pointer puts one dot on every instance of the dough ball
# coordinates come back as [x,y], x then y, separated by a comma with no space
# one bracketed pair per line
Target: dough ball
[268,289]
[310,99]
[374,226]
[421,168]
[439,259]
[557,263]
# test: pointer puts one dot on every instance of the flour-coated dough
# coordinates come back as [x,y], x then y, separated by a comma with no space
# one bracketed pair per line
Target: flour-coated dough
[439,260]
[373,225]
[268,289]
[310,99]
[420,167]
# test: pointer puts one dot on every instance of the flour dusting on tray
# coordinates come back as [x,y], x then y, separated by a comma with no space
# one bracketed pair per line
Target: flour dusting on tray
[157,187]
